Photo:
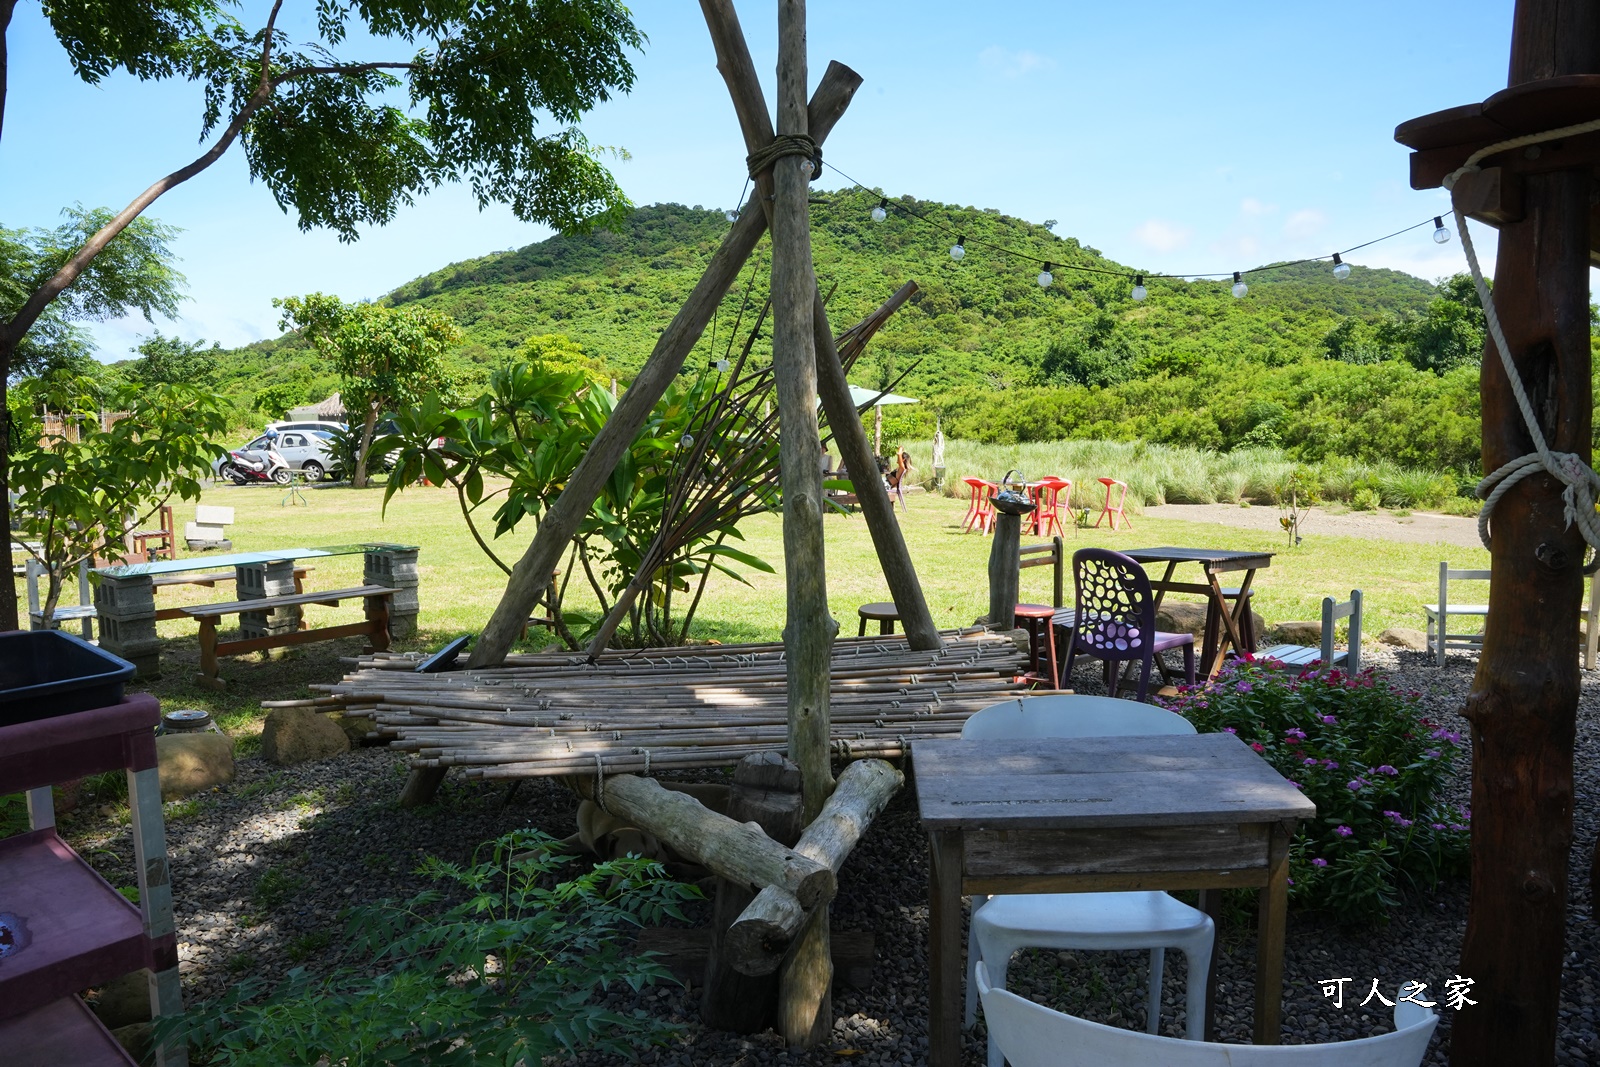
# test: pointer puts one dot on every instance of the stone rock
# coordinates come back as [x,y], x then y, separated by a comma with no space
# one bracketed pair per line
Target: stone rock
[124,1001]
[357,728]
[295,735]
[1404,637]
[193,763]
[1297,633]
[135,1039]
[1181,617]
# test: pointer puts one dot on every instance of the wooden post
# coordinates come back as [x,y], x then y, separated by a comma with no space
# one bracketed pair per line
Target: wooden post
[1525,694]
[809,630]
[1005,570]
[766,791]
[749,104]
[531,576]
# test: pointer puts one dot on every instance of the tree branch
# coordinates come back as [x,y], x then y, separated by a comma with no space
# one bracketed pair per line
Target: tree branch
[6,8]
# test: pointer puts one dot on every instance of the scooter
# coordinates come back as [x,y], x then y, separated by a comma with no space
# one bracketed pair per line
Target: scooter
[251,465]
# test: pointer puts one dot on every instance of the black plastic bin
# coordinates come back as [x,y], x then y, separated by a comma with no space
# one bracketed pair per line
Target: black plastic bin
[45,673]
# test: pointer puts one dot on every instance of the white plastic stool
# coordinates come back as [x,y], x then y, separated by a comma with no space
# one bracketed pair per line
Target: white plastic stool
[1154,921]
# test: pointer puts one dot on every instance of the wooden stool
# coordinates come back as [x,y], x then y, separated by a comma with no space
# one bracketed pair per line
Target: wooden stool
[885,613]
[1247,626]
[1037,619]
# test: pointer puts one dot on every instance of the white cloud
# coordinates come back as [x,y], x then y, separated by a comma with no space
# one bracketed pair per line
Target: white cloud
[1254,208]
[1305,223]
[1011,64]
[1162,236]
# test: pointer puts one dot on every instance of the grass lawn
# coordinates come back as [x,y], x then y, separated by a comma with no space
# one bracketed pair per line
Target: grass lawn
[460,587]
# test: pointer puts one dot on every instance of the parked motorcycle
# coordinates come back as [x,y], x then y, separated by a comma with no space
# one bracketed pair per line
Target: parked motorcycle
[245,466]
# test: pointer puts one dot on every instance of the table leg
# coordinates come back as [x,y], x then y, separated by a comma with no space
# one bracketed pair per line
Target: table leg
[1230,621]
[210,674]
[1274,902]
[1211,904]
[945,963]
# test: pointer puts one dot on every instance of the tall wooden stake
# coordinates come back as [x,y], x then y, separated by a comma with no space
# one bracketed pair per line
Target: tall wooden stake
[738,71]
[531,576]
[809,630]
[1525,695]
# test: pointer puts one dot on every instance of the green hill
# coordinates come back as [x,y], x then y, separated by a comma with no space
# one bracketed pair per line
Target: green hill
[999,356]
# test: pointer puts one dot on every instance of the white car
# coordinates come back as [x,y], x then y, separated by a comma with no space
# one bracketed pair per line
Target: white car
[326,427]
[304,450]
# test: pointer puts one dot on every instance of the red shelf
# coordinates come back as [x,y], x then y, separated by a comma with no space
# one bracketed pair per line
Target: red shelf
[62,1032]
[80,931]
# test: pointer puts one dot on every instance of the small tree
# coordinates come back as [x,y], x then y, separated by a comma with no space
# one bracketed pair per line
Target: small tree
[386,357]
[79,499]
[175,362]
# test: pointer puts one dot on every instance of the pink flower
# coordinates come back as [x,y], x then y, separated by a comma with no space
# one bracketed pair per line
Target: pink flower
[1258,746]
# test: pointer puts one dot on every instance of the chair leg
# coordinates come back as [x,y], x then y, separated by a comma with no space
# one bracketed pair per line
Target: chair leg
[1198,955]
[1144,676]
[863,631]
[1152,1004]
[1113,675]
[970,1018]
[1188,663]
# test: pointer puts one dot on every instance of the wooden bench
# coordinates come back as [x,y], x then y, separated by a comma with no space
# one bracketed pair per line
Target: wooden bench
[1303,656]
[210,579]
[376,626]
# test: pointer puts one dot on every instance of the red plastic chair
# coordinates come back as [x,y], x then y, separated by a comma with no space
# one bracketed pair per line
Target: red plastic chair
[1113,510]
[1051,494]
[980,510]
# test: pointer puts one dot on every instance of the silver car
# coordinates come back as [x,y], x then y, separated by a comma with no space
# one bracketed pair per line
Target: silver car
[310,451]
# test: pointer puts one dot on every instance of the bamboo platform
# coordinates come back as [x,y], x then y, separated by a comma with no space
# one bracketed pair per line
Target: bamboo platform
[636,711]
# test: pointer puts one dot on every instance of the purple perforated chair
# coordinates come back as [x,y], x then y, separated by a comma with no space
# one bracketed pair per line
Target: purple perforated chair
[1117,618]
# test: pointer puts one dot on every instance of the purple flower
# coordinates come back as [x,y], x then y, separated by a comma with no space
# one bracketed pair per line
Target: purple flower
[1432,753]
[1244,687]
[1446,736]
[1355,784]
[1384,769]
[1398,819]
[1343,831]
[1438,826]
[1308,762]
[1332,765]
[1294,733]
[1292,782]
[1319,862]
[1329,720]
[1229,730]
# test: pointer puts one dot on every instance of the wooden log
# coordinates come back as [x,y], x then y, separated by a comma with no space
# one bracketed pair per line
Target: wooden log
[758,941]
[1005,574]
[683,952]
[1525,693]
[766,791]
[805,985]
[739,852]
[738,70]
[809,628]
[533,571]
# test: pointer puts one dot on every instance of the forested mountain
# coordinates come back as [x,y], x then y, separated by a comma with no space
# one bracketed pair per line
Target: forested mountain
[1303,361]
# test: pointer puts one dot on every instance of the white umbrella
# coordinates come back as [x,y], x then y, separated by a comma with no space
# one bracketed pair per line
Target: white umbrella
[862,397]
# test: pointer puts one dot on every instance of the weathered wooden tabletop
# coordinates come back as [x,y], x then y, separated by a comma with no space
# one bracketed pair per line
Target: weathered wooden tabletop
[1035,783]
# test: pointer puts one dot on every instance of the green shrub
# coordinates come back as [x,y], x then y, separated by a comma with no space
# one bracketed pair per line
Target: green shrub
[1365,499]
[514,973]
[1374,766]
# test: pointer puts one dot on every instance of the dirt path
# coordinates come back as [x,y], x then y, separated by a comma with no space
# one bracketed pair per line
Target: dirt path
[1419,527]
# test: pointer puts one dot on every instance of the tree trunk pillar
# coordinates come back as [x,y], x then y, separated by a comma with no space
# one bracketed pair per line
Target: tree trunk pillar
[1005,570]
[1524,700]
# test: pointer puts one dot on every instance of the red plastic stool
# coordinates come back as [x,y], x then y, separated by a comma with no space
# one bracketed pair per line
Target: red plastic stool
[1113,510]
[1037,620]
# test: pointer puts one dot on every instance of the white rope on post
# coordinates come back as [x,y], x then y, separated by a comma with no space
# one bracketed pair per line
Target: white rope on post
[1582,484]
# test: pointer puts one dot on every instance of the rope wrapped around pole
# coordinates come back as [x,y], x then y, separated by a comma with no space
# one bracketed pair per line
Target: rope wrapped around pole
[1582,484]
[784,144]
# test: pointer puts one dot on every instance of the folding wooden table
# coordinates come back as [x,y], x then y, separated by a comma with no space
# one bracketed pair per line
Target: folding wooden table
[1213,562]
[1049,815]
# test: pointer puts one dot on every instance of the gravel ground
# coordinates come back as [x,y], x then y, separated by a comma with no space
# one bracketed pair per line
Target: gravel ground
[263,869]
[1419,527]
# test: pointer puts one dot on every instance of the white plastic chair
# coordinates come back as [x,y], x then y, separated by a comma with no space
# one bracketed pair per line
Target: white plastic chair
[1102,921]
[1032,1035]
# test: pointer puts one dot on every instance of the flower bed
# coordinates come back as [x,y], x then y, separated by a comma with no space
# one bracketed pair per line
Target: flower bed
[1371,762]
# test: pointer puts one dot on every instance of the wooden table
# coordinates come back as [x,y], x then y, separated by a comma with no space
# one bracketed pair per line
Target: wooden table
[1046,815]
[1213,561]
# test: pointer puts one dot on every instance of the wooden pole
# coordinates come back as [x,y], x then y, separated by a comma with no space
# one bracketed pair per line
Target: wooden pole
[1524,701]
[531,575]
[749,104]
[1005,570]
[809,630]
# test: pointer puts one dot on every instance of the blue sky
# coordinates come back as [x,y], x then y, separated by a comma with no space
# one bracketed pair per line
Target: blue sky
[1176,137]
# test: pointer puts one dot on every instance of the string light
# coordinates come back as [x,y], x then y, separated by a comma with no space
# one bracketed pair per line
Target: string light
[1046,277]
[686,441]
[733,216]
[722,366]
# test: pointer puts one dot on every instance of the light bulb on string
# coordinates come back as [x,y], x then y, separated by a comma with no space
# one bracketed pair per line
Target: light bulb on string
[1139,291]
[732,216]
[1441,232]
[1045,277]
[722,366]
[881,212]
[807,168]
[1239,287]
[1341,269]
[686,441]
[959,249]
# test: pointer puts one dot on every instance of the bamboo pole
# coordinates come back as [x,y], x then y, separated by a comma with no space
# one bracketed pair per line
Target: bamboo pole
[532,572]
[738,71]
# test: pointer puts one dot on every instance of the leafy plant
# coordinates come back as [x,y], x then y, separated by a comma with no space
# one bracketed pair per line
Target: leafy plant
[276,887]
[1364,753]
[515,972]
[1365,499]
